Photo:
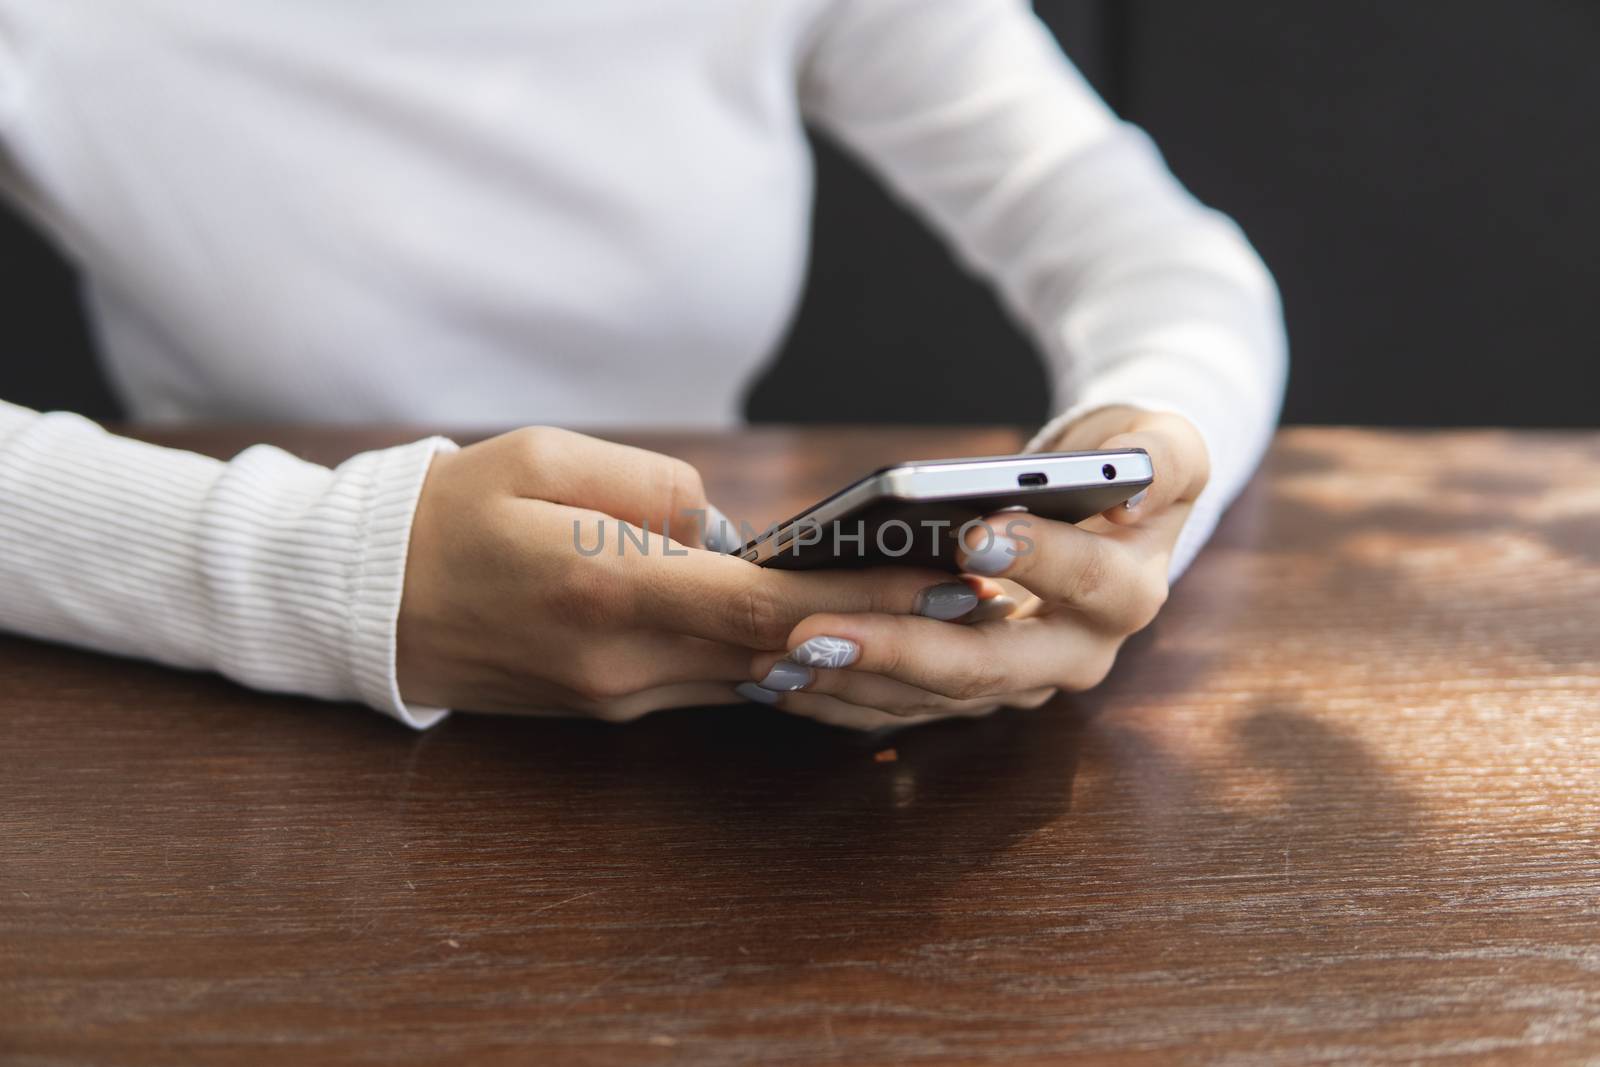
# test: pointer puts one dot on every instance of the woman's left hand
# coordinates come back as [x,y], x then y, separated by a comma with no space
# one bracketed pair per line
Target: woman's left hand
[1082,590]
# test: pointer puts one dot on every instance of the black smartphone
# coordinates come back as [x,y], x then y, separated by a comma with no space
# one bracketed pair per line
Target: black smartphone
[914,513]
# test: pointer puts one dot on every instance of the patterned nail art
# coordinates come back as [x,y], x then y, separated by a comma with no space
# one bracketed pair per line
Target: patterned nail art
[832,652]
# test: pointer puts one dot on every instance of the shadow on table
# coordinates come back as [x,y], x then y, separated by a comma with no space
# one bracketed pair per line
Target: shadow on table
[721,842]
[750,832]
[731,806]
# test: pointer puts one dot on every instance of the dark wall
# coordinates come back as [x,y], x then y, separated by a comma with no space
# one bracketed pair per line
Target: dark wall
[1419,176]
[46,361]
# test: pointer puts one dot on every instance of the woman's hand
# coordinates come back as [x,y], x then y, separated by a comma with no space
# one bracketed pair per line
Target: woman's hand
[1081,592]
[507,607]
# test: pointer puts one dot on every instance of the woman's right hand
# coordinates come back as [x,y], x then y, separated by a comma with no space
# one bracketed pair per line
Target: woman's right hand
[501,611]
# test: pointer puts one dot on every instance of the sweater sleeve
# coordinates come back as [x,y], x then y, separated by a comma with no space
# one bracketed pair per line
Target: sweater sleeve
[281,574]
[1135,292]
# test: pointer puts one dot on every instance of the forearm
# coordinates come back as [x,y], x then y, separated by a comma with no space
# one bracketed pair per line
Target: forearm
[1177,314]
[280,574]
[1179,317]
[1135,293]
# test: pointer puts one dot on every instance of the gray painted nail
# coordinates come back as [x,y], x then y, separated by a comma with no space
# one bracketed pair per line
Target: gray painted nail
[831,652]
[1135,500]
[752,691]
[721,534]
[786,677]
[949,601]
[993,558]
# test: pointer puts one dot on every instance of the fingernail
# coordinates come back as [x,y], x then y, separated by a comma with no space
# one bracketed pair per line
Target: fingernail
[721,535]
[1135,500]
[949,601]
[831,652]
[993,558]
[752,691]
[786,677]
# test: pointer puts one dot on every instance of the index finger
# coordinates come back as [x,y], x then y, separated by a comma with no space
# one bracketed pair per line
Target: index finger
[724,598]
[659,493]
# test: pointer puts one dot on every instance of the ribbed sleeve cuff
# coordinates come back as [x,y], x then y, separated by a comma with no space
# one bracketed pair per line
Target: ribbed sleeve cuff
[393,479]
[281,574]
[320,557]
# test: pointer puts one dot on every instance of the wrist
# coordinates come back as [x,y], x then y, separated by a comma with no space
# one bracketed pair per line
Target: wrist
[395,479]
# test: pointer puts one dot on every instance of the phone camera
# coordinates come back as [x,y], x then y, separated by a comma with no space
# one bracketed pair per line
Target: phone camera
[1109,471]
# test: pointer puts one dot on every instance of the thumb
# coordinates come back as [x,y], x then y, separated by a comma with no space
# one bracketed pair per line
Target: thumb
[1179,458]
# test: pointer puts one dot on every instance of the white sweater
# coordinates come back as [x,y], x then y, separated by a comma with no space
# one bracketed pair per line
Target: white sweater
[491,213]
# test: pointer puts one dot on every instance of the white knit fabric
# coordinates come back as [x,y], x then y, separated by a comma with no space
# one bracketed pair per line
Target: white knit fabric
[279,573]
[491,214]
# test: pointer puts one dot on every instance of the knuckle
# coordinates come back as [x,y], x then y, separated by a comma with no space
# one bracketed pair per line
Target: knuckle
[1088,575]
[1033,699]
[599,681]
[576,671]
[984,678]
[536,443]
[1149,599]
[890,658]
[1089,670]
[683,482]
[758,617]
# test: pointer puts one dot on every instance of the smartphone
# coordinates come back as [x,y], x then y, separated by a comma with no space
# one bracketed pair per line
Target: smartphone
[914,513]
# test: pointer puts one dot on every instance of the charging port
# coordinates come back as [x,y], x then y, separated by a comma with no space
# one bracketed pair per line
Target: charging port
[1032,481]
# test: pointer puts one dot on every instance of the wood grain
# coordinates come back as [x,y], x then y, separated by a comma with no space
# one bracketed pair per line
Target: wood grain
[1339,804]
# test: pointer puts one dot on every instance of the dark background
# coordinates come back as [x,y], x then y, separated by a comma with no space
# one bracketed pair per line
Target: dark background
[1420,177]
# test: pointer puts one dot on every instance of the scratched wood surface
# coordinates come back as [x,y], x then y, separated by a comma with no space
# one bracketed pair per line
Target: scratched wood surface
[1340,804]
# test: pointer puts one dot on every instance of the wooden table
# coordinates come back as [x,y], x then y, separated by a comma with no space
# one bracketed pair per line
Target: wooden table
[1339,804]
